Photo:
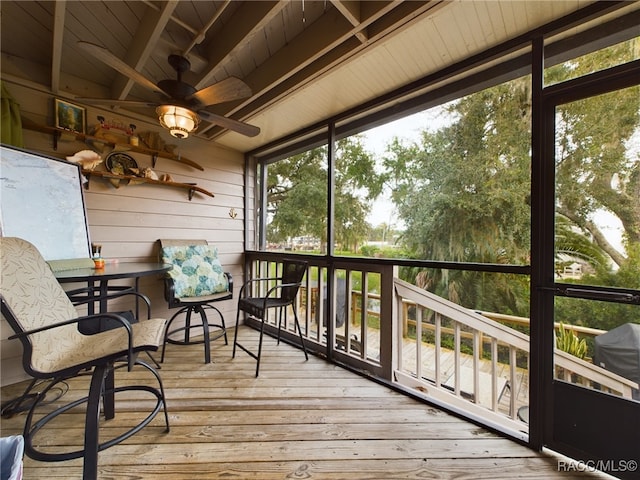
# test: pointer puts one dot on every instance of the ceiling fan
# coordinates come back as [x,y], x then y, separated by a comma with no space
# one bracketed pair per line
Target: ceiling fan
[180,100]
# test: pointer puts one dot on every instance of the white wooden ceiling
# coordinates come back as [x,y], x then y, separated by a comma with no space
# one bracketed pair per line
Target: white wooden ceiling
[305,60]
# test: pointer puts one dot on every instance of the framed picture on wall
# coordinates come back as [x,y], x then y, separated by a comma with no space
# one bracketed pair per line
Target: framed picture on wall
[69,116]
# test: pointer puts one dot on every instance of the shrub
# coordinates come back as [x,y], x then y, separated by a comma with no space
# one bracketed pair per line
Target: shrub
[568,341]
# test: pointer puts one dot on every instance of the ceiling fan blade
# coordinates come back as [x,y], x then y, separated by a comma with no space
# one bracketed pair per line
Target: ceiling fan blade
[231,88]
[230,123]
[114,62]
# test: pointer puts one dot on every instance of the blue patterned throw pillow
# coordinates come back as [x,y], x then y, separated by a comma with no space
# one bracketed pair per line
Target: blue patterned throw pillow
[196,270]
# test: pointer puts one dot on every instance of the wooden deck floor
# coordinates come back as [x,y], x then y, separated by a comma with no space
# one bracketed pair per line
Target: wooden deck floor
[299,419]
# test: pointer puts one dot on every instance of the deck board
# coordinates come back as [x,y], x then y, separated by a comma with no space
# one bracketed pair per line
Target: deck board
[299,419]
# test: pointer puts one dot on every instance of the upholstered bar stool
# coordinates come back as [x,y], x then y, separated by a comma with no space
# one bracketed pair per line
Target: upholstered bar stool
[195,282]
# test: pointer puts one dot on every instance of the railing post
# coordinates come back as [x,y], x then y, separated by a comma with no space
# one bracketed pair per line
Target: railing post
[513,376]
[388,322]
[494,375]
[354,306]
[477,352]
[456,356]
[405,318]
[419,343]
[438,340]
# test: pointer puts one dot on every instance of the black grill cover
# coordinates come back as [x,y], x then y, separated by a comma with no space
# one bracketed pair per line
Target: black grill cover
[618,351]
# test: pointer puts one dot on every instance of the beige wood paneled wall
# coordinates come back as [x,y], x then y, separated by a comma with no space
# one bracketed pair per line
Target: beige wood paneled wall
[128,221]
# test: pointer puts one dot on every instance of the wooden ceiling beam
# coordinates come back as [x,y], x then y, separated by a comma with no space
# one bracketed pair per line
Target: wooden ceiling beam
[56,47]
[350,9]
[245,22]
[201,35]
[143,44]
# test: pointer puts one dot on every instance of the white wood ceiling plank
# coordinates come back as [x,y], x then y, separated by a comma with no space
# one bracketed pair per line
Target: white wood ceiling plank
[146,36]
[446,28]
[182,28]
[484,19]
[508,17]
[195,14]
[117,19]
[479,25]
[81,25]
[30,29]
[101,24]
[354,87]
[238,32]
[402,58]
[438,47]
[466,38]
[417,54]
[555,10]
[376,69]
[292,20]
[398,63]
[274,35]
[351,10]
[206,22]
[273,46]
[417,44]
[496,18]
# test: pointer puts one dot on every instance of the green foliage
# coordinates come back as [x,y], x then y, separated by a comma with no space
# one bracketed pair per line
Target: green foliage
[594,168]
[296,187]
[575,245]
[463,191]
[370,250]
[383,252]
[373,281]
[494,292]
[297,194]
[599,314]
[568,341]
[603,315]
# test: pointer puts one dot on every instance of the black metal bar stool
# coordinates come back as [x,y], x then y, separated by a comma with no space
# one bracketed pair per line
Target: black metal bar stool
[279,296]
[195,282]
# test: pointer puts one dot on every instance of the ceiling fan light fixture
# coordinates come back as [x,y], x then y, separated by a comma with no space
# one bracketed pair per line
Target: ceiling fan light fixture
[179,121]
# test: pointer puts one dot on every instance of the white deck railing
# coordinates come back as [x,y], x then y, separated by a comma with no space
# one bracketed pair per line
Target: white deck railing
[449,379]
[466,384]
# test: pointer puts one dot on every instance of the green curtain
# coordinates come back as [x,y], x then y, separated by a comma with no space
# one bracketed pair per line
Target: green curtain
[11,126]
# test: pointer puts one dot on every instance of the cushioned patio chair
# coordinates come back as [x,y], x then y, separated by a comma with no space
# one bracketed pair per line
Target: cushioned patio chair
[195,282]
[45,321]
[88,295]
[278,296]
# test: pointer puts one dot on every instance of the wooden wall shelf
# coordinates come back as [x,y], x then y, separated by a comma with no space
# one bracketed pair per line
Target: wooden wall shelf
[191,187]
[82,137]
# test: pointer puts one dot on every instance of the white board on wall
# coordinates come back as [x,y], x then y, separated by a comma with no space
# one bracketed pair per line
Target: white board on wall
[42,201]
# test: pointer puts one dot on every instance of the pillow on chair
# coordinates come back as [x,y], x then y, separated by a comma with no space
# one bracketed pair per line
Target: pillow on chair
[196,270]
